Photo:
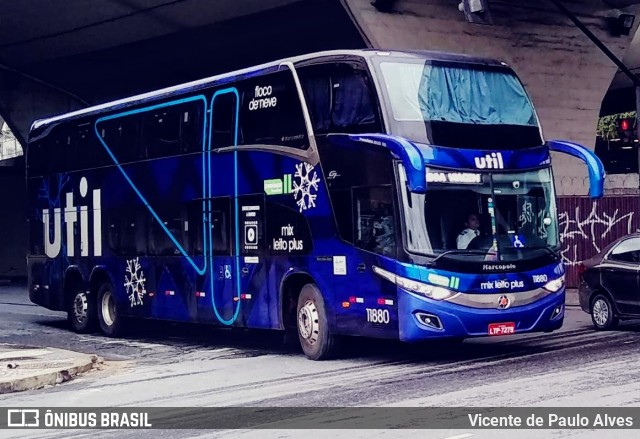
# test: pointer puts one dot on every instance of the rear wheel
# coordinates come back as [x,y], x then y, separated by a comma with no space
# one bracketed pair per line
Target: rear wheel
[81,312]
[602,314]
[313,327]
[111,321]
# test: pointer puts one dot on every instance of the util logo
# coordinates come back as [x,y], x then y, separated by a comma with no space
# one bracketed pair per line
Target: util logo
[70,218]
[490,161]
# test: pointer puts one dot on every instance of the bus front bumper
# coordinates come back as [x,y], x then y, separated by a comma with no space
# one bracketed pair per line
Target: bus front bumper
[421,318]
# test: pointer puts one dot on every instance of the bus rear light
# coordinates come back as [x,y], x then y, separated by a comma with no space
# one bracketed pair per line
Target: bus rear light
[353,299]
[151,294]
[200,294]
[346,304]
[429,320]
[245,296]
[169,293]
[383,301]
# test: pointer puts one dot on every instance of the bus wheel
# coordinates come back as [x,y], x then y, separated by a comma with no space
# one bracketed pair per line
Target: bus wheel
[602,314]
[111,322]
[313,327]
[81,312]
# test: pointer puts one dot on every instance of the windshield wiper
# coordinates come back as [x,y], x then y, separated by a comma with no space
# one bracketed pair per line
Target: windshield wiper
[462,252]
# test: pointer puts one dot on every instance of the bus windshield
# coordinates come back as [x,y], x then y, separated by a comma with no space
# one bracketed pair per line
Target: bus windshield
[459,105]
[491,216]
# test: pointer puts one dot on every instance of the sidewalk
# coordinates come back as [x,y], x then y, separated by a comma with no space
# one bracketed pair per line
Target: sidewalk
[571,297]
[26,367]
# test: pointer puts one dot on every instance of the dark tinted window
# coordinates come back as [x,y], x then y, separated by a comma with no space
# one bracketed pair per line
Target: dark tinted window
[374,224]
[161,132]
[172,130]
[175,222]
[223,120]
[221,226]
[270,111]
[340,98]
[121,137]
[627,251]
[127,231]
[287,231]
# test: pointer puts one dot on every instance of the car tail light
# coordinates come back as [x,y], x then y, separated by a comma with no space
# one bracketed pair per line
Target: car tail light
[581,269]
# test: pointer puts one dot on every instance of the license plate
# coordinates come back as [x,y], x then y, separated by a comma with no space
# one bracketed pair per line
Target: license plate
[502,328]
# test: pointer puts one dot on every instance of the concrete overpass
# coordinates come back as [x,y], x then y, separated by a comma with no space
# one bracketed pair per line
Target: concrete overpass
[64,55]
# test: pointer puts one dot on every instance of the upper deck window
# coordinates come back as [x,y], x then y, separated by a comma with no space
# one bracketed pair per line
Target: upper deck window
[452,94]
[459,105]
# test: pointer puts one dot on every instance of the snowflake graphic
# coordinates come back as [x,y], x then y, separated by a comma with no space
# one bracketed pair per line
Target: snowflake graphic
[134,282]
[304,185]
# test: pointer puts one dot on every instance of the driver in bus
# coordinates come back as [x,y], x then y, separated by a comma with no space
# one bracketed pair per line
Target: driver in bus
[471,231]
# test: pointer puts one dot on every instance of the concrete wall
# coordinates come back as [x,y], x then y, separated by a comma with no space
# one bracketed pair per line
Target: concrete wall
[566,75]
[13,224]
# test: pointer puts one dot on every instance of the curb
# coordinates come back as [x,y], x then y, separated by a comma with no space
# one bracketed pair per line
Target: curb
[50,378]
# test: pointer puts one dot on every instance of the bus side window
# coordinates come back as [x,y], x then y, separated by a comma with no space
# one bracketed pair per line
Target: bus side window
[174,221]
[220,226]
[340,98]
[161,132]
[223,123]
[271,112]
[191,126]
[121,137]
[374,224]
[127,231]
[195,222]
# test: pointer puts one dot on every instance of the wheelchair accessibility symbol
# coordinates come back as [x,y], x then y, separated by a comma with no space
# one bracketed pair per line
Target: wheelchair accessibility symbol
[517,243]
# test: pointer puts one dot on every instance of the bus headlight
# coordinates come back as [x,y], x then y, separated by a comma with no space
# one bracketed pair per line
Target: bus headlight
[554,285]
[430,291]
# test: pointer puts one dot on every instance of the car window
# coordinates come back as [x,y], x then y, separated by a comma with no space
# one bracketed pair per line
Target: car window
[627,251]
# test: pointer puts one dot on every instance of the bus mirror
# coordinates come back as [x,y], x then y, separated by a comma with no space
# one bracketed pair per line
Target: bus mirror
[400,147]
[594,165]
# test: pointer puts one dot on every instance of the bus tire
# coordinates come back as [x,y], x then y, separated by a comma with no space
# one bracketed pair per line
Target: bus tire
[314,333]
[111,321]
[602,313]
[81,311]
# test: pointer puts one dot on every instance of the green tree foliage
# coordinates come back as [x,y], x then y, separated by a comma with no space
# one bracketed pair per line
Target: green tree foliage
[608,125]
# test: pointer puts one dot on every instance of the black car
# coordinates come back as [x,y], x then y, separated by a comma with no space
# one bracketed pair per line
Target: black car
[610,283]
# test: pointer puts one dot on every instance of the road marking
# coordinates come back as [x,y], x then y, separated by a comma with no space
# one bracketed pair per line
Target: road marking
[460,436]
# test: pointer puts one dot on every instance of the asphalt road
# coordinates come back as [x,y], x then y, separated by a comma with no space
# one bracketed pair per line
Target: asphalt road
[165,365]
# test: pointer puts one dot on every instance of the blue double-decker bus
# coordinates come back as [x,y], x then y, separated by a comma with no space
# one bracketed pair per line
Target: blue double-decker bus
[382,194]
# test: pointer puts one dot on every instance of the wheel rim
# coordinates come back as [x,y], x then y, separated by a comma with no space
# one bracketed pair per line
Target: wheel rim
[600,312]
[80,307]
[108,308]
[309,322]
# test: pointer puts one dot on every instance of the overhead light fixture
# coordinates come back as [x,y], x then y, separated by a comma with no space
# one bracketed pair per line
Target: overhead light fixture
[622,24]
[476,11]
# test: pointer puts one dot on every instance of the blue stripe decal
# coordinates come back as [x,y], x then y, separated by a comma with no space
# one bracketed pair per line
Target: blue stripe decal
[199,270]
[235,176]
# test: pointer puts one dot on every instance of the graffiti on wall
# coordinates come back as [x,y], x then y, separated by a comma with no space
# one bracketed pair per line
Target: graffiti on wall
[592,229]
[587,226]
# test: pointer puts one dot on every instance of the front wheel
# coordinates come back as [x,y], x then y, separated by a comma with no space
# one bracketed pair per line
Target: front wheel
[111,322]
[602,314]
[313,327]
